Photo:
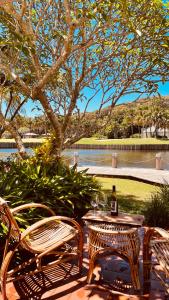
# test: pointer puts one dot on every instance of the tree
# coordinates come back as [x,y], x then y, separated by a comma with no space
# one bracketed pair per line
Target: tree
[139,118]
[10,105]
[68,54]
[159,114]
[130,118]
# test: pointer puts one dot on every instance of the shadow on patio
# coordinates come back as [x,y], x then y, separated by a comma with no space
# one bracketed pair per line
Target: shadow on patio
[111,281]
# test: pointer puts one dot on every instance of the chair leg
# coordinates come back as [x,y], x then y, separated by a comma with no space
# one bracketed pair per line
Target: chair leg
[3,288]
[4,269]
[135,275]
[80,262]
[147,259]
[90,271]
[80,251]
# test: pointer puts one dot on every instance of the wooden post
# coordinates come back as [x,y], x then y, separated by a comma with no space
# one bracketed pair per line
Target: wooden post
[76,158]
[114,160]
[158,161]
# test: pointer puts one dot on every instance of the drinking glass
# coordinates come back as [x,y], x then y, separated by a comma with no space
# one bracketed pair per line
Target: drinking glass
[103,201]
[94,203]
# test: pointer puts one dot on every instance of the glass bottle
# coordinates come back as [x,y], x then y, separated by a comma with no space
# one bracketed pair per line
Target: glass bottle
[114,203]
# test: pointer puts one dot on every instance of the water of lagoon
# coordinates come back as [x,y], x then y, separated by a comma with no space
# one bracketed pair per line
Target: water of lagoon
[135,159]
[6,153]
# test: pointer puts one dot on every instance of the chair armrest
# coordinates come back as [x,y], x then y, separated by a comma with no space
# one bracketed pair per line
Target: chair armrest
[162,232]
[31,205]
[45,221]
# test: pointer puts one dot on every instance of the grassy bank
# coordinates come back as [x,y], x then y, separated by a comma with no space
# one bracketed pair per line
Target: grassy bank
[96,141]
[28,140]
[132,195]
[129,141]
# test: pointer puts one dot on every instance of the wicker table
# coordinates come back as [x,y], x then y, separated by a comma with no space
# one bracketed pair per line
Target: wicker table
[114,235]
[105,216]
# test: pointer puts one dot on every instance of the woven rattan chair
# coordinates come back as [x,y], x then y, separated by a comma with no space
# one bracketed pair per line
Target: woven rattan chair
[56,237]
[115,239]
[156,242]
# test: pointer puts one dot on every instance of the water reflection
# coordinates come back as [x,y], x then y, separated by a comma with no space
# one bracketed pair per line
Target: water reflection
[6,153]
[137,159]
[92,157]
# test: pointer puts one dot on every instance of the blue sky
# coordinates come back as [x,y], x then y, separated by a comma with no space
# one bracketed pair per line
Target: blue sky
[163,90]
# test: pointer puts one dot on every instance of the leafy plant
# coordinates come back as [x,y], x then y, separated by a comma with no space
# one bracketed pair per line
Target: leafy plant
[48,181]
[157,210]
[135,136]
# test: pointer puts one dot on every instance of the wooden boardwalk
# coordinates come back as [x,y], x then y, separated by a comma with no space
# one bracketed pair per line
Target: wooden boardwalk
[145,175]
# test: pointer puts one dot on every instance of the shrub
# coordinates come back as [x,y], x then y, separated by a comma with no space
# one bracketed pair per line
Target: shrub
[135,135]
[48,181]
[157,210]
[99,135]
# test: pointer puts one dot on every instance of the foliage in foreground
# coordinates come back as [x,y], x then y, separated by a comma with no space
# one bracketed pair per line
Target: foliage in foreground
[157,210]
[48,181]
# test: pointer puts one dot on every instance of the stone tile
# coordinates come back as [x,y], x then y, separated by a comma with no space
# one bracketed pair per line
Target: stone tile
[68,293]
[157,295]
[111,281]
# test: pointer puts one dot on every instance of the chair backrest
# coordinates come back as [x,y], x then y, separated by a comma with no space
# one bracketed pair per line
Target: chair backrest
[9,221]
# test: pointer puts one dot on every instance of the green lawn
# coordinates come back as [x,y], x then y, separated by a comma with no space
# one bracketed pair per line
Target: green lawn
[28,140]
[129,141]
[132,195]
[96,141]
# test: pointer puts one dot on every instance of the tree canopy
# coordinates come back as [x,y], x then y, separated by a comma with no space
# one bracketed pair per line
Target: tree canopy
[68,54]
[130,118]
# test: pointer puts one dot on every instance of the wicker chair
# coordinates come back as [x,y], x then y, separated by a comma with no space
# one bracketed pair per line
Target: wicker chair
[56,237]
[156,242]
[115,239]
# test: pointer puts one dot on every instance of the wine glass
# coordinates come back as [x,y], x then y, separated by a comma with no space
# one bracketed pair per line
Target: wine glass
[94,203]
[103,201]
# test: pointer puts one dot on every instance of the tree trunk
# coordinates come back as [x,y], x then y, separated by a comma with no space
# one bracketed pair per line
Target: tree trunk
[19,142]
[11,128]
[132,129]
[2,130]
[156,131]
[57,143]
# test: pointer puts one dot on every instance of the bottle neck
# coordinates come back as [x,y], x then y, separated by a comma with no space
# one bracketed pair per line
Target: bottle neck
[114,189]
[114,193]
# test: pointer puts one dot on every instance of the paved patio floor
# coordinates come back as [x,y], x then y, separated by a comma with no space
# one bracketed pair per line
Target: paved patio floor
[111,281]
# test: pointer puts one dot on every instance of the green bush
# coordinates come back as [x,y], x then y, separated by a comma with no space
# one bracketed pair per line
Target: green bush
[135,136]
[157,210]
[99,135]
[48,181]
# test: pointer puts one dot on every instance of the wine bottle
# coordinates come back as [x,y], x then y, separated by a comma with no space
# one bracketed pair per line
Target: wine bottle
[114,203]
